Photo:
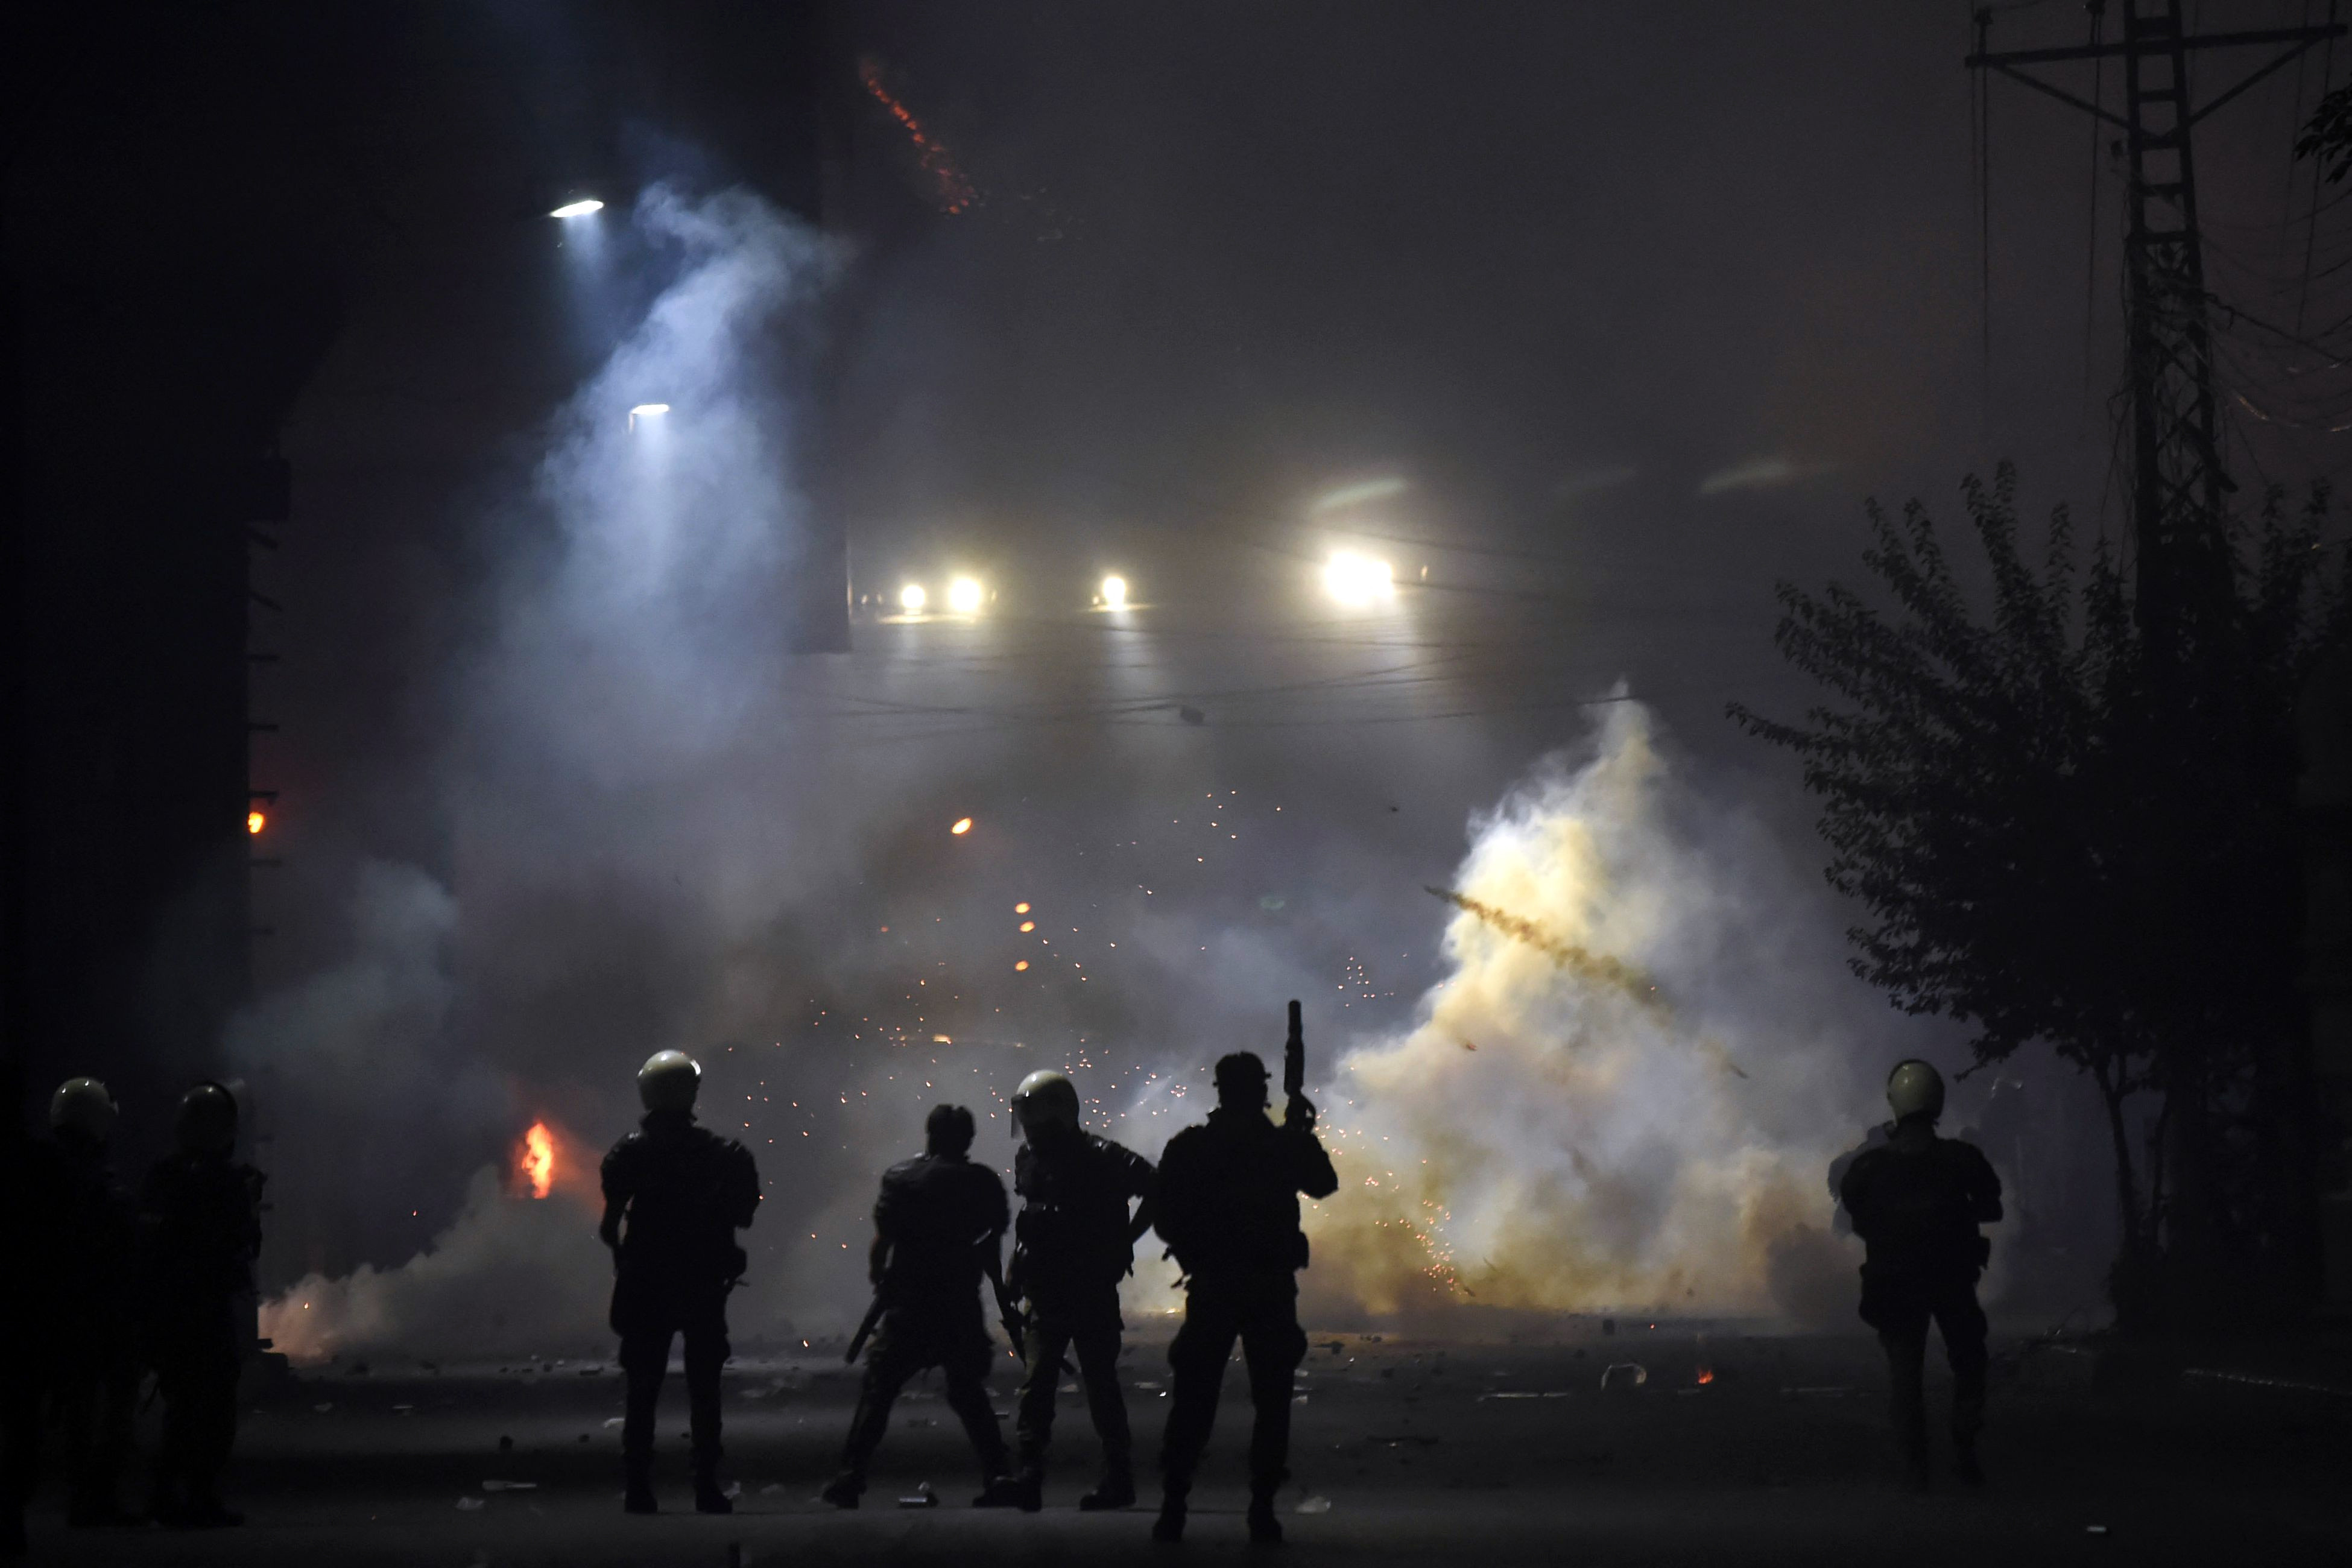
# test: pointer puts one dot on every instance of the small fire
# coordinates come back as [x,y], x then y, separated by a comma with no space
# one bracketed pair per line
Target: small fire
[255,821]
[1706,1375]
[535,1162]
[963,826]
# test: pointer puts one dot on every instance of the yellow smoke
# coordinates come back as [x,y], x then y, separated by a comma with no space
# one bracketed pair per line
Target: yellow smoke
[1550,1135]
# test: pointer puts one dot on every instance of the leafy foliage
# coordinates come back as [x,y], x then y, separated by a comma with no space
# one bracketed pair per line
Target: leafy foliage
[2063,832]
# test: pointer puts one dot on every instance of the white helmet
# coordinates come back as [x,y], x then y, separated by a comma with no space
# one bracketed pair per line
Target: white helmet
[1915,1089]
[1045,1099]
[668,1081]
[84,1105]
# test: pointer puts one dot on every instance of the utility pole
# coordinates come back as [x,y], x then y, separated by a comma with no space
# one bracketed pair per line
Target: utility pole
[2177,475]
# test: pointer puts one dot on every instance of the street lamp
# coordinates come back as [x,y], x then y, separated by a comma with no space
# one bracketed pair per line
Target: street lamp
[647,411]
[1114,593]
[580,208]
[964,595]
[911,598]
[1354,579]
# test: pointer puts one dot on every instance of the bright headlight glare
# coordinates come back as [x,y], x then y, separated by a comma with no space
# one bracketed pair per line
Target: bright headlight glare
[1114,592]
[912,597]
[1354,579]
[964,595]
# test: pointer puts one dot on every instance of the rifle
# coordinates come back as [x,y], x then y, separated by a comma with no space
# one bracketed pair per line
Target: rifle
[1298,1108]
[865,1328]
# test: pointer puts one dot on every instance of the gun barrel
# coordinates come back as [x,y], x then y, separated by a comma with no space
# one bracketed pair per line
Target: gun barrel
[1294,1056]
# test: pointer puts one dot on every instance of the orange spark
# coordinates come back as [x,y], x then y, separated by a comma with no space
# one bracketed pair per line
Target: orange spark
[1019,965]
[962,827]
[1021,908]
[1707,1374]
[954,193]
[535,1161]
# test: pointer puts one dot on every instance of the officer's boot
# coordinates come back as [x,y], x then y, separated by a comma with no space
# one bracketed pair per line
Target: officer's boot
[708,1495]
[843,1489]
[1169,1527]
[1265,1530]
[637,1484]
[1117,1488]
[1029,1476]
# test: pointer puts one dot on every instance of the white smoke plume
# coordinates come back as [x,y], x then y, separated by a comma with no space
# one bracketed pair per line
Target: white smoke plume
[1557,1135]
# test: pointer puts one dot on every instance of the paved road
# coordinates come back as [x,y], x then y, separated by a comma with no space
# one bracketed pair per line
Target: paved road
[1423,1452]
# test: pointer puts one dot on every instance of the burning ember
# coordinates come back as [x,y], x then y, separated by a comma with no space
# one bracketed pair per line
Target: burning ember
[950,189]
[1707,1374]
[535,1161]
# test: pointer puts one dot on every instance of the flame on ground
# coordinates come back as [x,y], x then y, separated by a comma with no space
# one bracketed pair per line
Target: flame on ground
[535,1161]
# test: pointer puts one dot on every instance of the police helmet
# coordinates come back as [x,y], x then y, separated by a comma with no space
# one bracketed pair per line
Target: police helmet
[668,1081]
[1915,1089]
[84,1106]
[206,1119]
[1045,1099]
[1241,1077]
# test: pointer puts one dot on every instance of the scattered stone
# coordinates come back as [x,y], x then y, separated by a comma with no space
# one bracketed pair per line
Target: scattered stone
[469,1504]
[1624,1374]
[1314,1505]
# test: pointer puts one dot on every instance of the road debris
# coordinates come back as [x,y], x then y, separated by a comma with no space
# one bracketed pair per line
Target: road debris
[1624,1374]
[1314,1505]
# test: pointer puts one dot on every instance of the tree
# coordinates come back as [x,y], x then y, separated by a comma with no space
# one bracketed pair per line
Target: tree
[2068,835]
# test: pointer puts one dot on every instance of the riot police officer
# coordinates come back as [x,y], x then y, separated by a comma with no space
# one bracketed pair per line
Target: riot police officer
[96,1366]
[1916,1201]
[199,1234]
[939,1227]
[1074,1241]
[1227,1205]
[684,1192]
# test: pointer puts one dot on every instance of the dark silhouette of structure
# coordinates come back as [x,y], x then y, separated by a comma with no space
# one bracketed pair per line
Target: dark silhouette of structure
[1074,1241]
[199,1233]
[1916,1201]
[675,1195]
[1227,1205]
[939,1227]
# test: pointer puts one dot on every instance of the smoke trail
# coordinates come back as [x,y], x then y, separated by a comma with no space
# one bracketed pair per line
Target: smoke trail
[1548,1135]
[1600,968]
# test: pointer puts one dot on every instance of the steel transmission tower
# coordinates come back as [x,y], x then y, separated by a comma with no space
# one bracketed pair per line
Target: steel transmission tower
[2177,475]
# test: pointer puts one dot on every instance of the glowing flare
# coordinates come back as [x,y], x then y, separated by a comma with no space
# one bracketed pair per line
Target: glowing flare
[1021,908]
[1707,1374]
[964,595]
[536,1161]
[1028,925]
[1020,964]
[963,826]
[911,598]
[1114,592]
[255,821]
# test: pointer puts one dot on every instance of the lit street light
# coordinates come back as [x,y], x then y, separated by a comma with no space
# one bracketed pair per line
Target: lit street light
[911,598]
[581,208]
[647,411]
[1114,593]
[964,595]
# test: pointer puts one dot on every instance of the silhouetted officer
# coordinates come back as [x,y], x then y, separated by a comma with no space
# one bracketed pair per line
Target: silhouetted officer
[1916,1201]
[1074,1241]
[939,1225]
[22,1308]
[95,1378]
[199,1233]
[1227,1204]
[685,1192]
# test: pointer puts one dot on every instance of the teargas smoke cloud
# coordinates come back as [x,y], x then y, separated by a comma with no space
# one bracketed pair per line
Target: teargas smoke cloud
[1552,1135]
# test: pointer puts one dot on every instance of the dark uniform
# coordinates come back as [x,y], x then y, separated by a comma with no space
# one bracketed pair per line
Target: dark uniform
[939,1219]
[685,1191]
[1916,1201]
[95,1379]
[1074,1242]
[23,1318]
[1227,1204]
[199,1234]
